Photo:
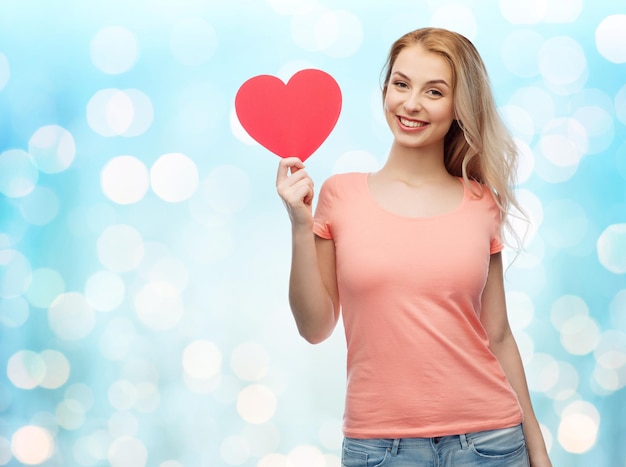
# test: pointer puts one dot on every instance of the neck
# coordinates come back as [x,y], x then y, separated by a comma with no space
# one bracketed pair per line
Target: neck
[415,164]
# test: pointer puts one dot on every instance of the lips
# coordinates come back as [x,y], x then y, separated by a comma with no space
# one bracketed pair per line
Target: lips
[411,123]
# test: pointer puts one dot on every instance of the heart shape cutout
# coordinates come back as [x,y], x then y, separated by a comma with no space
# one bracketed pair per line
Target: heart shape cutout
[292,119]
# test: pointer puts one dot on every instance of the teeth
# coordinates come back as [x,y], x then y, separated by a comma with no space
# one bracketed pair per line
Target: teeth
[411,123]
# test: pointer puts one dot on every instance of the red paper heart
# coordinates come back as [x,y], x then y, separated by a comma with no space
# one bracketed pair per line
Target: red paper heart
[292,119]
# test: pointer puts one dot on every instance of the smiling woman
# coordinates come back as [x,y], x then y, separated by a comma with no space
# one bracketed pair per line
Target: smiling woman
[410,257]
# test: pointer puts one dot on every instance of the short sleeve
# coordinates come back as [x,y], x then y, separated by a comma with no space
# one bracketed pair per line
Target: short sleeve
[322,223]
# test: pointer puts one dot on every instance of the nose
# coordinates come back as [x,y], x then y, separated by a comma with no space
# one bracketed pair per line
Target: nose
[413,102]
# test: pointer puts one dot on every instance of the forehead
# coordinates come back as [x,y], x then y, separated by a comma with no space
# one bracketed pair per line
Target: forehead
[417,62]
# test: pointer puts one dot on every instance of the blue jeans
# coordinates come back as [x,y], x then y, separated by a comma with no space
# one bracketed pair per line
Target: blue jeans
[504,447]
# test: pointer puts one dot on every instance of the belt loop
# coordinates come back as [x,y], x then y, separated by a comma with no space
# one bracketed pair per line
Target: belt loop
[394,448]
[464,443]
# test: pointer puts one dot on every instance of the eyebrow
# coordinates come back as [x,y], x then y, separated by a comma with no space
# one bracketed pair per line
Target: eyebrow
[432,81]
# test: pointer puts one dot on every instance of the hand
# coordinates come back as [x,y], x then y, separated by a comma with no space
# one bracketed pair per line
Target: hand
[296,190]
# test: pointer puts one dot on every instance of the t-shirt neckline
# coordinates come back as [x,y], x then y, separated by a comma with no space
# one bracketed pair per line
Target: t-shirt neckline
[379,207]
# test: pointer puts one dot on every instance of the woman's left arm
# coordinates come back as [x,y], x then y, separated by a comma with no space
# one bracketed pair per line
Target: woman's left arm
[502,343]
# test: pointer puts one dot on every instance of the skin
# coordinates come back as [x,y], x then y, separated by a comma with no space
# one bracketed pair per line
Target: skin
[419,109]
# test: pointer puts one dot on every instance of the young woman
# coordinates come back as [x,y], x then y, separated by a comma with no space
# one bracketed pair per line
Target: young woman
[411,255]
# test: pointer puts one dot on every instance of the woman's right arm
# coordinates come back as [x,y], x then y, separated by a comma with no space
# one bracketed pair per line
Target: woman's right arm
[313,294]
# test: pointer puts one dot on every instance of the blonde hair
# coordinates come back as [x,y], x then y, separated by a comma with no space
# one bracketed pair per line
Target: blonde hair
[478,146]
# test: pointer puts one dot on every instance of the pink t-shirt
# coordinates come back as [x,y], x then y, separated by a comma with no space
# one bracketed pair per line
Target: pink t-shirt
[418,362]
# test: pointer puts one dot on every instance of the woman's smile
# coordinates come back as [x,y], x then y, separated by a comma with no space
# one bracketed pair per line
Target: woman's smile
[412,124]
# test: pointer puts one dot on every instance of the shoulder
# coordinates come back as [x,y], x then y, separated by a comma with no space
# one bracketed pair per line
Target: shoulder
[480,191]
[340,182]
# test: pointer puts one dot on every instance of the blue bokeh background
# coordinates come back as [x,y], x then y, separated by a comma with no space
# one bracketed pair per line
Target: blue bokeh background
[144,253]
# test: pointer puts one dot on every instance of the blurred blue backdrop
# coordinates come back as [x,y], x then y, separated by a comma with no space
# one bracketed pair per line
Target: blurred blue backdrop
[144,253]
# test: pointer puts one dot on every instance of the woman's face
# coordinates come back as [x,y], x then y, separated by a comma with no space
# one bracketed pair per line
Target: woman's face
[419,105]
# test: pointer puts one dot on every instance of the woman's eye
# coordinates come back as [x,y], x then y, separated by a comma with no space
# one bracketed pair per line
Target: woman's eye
[400,84]
[435,92]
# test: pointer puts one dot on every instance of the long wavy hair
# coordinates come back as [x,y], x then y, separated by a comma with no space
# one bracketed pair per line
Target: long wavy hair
[478,146]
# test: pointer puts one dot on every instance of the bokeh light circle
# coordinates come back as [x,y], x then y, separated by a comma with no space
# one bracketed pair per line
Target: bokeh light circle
[566,384]
[580,335]
[40,206]
[120,248]
[565,308]
[256,403]
[562,61]
[116,112]
[143,113]
[70,414]
[610,355]
[26,369]
[159,305]
[16,273]
[105,290]
[71,317]
[57,369]
[578,429]
[123,423]
[306,456]
[611,37]
[82,393]
[18,173]
[32,445]
[124,180]
[46,284]
[563,11]
[274,460]
[53,148]
[611,247]
[174,177]
[250,361]
[598,125]
[542,372]
[114,50]
[202,360]
[122,395]
[128,452]
[562,145]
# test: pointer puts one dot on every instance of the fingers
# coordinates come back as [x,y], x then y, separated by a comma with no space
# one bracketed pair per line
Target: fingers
[297,189]
[286,165]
